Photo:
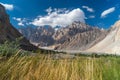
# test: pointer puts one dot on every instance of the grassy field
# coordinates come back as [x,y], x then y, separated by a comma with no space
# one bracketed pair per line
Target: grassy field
[44,67]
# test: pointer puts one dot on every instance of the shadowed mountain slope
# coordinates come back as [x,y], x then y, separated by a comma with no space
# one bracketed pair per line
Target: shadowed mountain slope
[8,32]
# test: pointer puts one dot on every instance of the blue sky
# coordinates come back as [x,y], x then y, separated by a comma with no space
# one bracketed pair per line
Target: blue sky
[102,13]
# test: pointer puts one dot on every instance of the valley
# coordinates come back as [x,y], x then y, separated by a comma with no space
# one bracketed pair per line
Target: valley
[62,46]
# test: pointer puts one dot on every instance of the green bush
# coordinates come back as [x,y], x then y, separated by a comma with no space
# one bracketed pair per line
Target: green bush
[9,48]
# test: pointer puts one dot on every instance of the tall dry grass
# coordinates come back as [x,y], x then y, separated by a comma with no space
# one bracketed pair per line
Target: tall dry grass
[42,67]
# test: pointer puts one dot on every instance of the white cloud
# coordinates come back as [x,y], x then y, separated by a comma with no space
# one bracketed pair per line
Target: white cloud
[17,19]
[106,12]
[21,21]
[60,17]
[8,6]
[88,8]
[49,10]
[92,16]
[20,24]
[63,10]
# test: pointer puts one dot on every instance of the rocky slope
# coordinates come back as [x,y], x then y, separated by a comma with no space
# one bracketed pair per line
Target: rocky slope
[111,43]
[40,36]
[8,32]
[77,36]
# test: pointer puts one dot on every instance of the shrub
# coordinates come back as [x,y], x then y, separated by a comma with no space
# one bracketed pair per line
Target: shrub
[9,48]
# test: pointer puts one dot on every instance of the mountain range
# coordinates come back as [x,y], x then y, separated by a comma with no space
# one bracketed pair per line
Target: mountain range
[77,36]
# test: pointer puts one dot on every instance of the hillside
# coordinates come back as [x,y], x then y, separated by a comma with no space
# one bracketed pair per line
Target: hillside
[111,43]
[9,33]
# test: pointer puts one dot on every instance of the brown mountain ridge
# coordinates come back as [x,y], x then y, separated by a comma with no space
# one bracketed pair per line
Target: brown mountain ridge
[77,36]
[8,32]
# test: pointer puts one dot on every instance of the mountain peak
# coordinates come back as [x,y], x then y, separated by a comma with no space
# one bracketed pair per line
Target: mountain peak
[75,36]
[118,21]
[117,24]
[1,6]
[2,9]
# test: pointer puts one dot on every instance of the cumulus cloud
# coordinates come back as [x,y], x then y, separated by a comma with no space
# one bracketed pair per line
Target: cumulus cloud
[88,8]
[17,19]
[8,6]
[60,17]
[106,12]
[21,24]
[21,21]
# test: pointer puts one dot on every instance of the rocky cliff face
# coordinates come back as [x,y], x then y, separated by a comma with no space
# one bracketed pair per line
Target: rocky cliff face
[41,36]
[77,36]
[8,32]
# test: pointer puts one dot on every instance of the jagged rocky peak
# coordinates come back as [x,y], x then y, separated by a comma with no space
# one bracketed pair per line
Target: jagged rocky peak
[46,30]
[78,24]
[40,36]
[74,28]
[43,36]
[78,36]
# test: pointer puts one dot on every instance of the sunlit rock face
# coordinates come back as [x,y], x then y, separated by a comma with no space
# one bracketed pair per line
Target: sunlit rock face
[111,43]
[78,36]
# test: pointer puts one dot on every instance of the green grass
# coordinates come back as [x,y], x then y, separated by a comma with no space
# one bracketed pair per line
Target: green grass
[44,67]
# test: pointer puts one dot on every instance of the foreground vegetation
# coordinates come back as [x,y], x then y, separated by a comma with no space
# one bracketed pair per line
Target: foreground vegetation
[42,67]
[45,67]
